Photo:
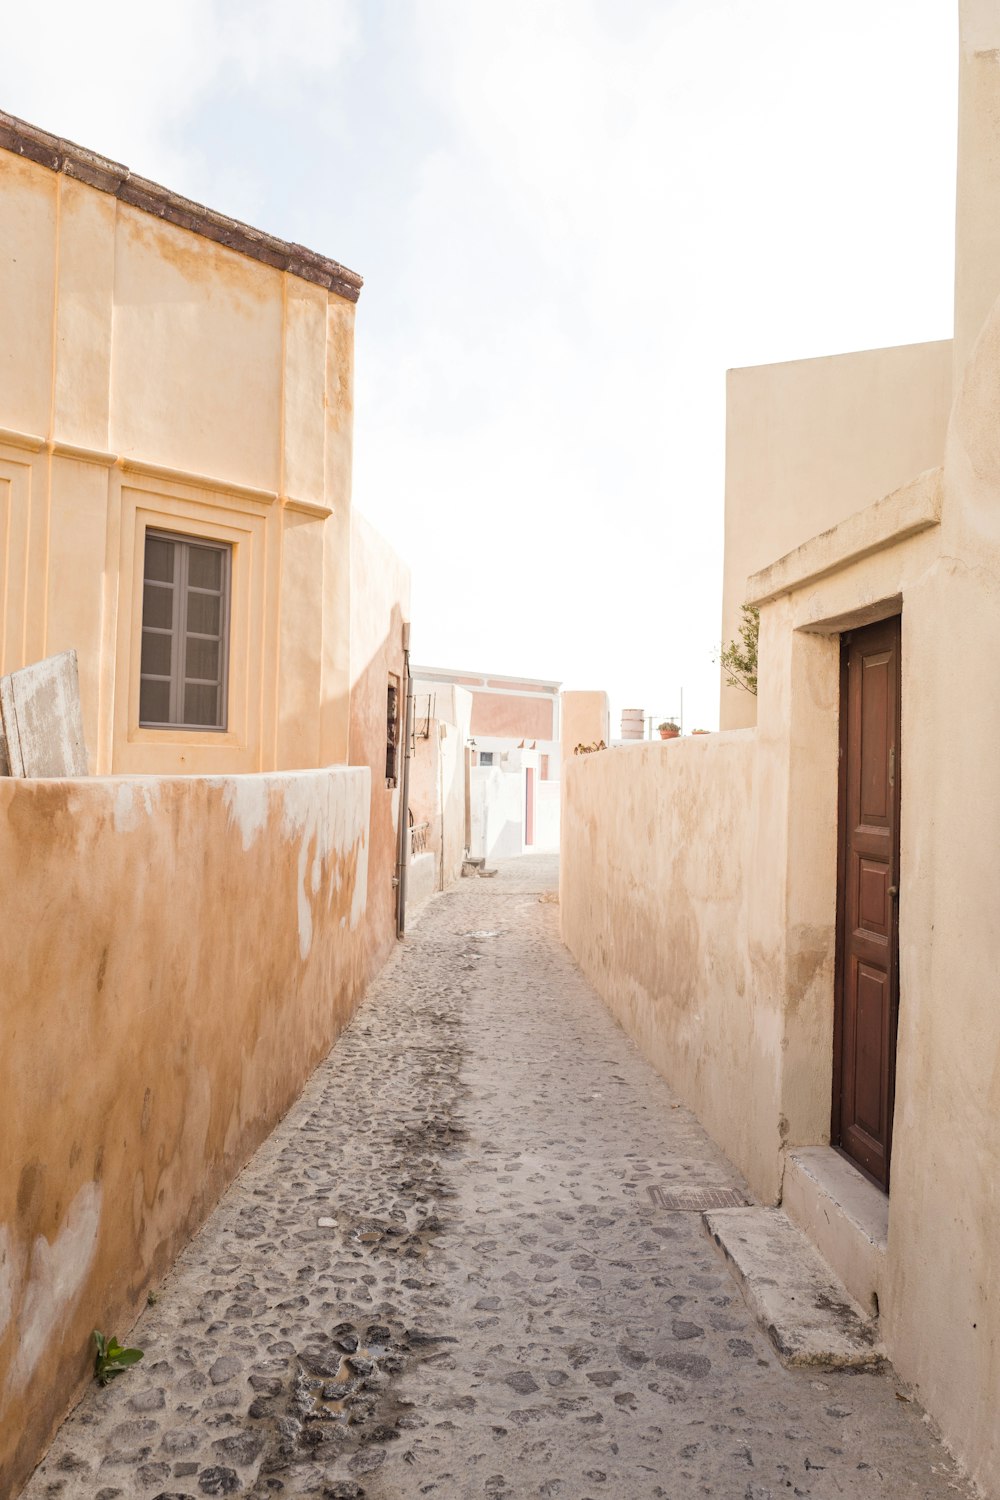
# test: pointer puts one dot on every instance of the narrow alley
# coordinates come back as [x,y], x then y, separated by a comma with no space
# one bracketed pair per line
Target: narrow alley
[444,1275]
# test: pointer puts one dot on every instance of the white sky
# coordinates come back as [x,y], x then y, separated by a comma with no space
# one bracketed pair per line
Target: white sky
[572,216]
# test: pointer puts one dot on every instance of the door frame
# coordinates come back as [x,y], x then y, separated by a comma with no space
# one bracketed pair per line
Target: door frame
[841,895]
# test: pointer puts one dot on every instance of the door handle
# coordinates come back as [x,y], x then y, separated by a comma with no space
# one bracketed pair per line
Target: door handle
[894,891]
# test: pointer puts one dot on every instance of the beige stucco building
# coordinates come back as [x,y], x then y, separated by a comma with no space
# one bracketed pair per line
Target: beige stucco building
[186,929]
[795,917]
[168,371]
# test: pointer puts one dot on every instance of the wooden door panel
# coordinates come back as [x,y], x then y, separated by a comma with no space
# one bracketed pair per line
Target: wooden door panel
[873,897]
[872,999]
[875,700]
[867,936]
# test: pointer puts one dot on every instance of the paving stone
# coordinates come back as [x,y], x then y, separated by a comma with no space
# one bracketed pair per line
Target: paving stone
[443,1275]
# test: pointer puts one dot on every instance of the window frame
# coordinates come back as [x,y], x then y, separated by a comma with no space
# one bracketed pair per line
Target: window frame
[393,729]
[179,633]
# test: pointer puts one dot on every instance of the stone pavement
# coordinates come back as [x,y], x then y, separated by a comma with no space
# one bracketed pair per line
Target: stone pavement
[444,1275]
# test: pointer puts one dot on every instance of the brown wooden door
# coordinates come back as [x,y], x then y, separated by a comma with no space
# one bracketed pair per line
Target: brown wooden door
[867,985]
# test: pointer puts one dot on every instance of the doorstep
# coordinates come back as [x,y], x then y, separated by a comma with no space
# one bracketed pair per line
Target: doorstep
[807,1314]
[844,1215]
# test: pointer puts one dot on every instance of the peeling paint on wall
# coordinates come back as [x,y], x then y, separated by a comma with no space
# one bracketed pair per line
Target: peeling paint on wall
[55,1280]
[247,800]
[134,801]
[329,828]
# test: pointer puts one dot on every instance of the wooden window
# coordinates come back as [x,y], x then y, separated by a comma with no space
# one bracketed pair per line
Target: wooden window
[184,669]
[392,735]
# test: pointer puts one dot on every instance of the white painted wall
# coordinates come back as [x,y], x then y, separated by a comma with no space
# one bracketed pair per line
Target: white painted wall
[497,813]
[547,794]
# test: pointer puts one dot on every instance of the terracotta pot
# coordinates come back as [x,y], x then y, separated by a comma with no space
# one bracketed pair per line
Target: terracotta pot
[669,734]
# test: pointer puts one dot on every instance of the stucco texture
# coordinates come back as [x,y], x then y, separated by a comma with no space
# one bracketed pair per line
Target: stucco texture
[512,716]
[654,883]
[155,1029]
[586,720]
[810,442]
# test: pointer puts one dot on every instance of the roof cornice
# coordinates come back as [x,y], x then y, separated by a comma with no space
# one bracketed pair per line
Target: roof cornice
[112,177]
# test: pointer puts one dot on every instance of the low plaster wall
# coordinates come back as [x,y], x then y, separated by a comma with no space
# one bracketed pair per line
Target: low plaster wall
[177,956]
[497,802]
[655,853]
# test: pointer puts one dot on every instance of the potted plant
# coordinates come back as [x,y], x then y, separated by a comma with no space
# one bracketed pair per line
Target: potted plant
[669,730]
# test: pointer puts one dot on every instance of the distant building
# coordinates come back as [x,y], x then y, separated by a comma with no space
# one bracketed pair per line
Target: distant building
[514,757]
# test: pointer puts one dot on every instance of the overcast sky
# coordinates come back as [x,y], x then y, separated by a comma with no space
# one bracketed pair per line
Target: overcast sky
[572,216]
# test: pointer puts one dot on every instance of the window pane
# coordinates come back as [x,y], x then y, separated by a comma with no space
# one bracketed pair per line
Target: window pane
[155,654]
[159,559]
[154,702]
[157,605]
[202,660]
[205,568]
[204,613]
[201,705]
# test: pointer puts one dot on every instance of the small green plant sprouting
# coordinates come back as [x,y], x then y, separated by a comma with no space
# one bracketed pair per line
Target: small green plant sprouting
[739,658]
[111,1359]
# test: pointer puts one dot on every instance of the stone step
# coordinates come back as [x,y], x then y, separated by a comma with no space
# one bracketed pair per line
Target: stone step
[844,1215]
[808,1315]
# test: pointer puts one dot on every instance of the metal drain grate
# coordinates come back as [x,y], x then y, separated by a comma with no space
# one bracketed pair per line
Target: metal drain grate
[696,1199]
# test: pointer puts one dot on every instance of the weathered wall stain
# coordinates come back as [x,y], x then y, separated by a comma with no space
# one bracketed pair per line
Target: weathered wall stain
[55,1279]
[227,970]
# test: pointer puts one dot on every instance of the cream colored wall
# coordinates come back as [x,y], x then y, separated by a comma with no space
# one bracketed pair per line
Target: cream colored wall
[812,441]
[585,720]
[977,238]
[108,1167]
[152,377]
[654,895]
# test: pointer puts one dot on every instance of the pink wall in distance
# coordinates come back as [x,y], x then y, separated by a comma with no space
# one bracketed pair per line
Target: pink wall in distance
[510,717]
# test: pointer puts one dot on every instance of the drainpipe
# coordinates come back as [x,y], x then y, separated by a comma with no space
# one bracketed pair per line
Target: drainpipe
[403,842]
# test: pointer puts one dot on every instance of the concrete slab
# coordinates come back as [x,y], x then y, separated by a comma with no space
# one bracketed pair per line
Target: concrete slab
[844,1215]
[808,1315]
[41,724]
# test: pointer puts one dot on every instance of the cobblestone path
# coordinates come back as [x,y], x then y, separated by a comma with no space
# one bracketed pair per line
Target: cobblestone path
[443,1275]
